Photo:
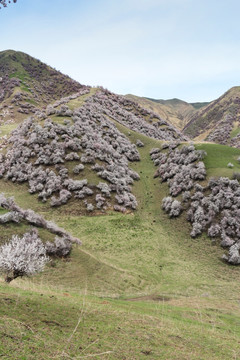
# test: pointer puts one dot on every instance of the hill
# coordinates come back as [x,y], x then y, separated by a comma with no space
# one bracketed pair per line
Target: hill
[27,85]
[219,121]
[175,111]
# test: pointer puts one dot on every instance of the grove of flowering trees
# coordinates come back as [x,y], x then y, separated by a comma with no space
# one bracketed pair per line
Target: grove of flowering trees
[53,157]
[214,208]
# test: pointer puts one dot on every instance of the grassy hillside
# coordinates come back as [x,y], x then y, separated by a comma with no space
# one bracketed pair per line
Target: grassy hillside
[138,287]
[62,326]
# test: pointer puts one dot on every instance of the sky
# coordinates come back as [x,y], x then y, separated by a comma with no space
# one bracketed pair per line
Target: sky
[162,49]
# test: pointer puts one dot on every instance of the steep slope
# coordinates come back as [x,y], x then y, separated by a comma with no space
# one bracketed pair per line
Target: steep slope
[27,84]
[175,111]
[219,121]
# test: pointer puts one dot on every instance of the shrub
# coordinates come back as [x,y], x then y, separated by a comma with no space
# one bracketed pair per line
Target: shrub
[196,229]
[105,188]
[175,209]
[172,207]
[90,207]
[214,230]
[186,196]
[12,216]
[139,143]
[78,168]
[236,176]
[234,255]
[64,196]
[61,247]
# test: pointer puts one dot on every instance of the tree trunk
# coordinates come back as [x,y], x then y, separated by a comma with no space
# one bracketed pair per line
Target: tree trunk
[8,278]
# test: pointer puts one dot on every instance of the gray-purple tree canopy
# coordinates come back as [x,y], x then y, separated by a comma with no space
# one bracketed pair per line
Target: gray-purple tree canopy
[4,3]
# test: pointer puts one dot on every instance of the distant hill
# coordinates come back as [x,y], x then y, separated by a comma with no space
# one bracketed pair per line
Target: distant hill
[27,84]
[176,111]
[218,121]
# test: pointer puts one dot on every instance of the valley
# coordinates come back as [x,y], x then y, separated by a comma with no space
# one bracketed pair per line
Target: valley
[139,286]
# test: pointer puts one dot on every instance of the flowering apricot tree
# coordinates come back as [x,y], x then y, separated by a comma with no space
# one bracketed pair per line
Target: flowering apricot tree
[22,256]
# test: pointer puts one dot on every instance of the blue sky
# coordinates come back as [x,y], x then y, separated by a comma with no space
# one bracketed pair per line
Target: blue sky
[187,49]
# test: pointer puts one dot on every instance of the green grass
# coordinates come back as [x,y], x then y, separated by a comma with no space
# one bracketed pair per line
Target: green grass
[218,158]
[7,129]
[78,102]
[21,75]
[42,324]
[31,101]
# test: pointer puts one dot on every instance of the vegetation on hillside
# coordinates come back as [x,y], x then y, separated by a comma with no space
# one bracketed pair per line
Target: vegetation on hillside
[139,286]
[169,297]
